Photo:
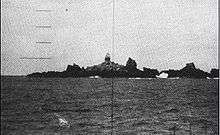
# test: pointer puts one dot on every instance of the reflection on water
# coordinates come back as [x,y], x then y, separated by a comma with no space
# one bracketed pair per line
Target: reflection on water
[83,106]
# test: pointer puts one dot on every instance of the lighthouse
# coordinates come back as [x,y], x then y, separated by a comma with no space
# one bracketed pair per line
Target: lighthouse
[107,58]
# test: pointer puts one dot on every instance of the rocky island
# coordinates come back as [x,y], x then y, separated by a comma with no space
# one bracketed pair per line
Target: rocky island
[190,71]
[108,69]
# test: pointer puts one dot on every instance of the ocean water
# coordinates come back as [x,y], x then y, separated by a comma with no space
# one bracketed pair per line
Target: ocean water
[66,106]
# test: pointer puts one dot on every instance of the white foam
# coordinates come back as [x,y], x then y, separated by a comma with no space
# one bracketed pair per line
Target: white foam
[94,77]
[62,121]
[174,78]
[212,78]
[137,78]
[162,75]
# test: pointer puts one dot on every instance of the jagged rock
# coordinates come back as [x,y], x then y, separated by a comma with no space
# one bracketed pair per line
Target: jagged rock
[131,69]
[105,69]
[150,73]
[111,69]
[190,66]
[214,73]
[171,73]
[73,71]
[131,64]
[73,68]
[190,71]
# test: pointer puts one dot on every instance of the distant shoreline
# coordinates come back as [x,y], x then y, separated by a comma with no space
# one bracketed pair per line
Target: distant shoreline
[109,69]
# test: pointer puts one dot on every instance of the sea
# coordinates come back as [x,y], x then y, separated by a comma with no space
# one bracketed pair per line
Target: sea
[106,106]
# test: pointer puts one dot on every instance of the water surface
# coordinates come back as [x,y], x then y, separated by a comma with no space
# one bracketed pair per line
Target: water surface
[143,106]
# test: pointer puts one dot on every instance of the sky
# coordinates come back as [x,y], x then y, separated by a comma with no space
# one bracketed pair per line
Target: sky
[161,34]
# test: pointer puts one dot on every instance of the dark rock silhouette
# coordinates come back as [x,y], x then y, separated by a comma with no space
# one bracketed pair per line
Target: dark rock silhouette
[171,73]
[73,68]
[106,69]
[73,71]
[150,73]
[214,73]
[189,71]
[37,74]
[131,65]
[131,69]
[111,69]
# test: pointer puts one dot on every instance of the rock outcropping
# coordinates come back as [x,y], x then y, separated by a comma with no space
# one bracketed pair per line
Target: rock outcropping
[189,71]
[214,73]
[111,69]
[105,69]
[150,73]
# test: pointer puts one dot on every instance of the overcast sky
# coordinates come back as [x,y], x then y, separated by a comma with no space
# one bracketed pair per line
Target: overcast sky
[161,34]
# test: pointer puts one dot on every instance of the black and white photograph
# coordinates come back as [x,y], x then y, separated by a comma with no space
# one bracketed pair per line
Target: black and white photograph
[109,67]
